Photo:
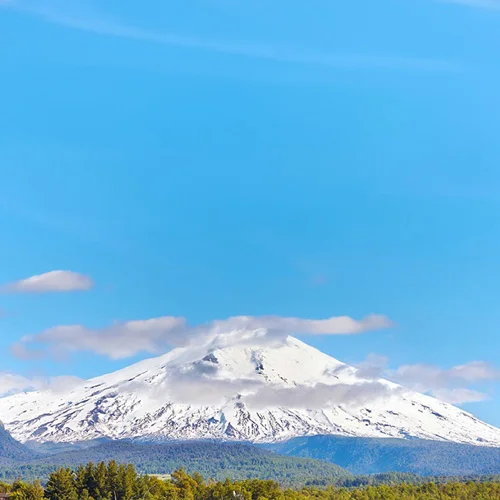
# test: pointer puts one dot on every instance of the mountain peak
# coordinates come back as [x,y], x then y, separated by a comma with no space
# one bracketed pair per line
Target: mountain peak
[240,385]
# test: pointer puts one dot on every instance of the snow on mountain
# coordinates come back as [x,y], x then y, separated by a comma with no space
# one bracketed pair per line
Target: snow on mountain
[260,392]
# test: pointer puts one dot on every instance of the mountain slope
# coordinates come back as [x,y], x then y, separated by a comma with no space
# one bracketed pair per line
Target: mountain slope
[11,451]
[212,460]
[372,455]
[245,392]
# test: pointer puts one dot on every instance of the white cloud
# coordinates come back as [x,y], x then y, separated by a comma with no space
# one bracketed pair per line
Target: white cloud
[53,281]
[204,389]
[118,341]
[474,371]
[202,383]
[459,396]
[60,383]
[126,339]
[258,395]
[373,367]
[320,395]
[430,377]
[451,385]
[249,50]
[336,325]
[199,383]
[11,383]
[22,350]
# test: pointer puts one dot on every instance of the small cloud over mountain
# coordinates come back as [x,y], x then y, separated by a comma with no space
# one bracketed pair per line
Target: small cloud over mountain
[126,339]
[452,385]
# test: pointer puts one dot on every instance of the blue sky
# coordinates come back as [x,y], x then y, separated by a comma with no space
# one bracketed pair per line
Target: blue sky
[215,159]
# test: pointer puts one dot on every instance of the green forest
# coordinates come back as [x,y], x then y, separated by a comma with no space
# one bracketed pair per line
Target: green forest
[110,481]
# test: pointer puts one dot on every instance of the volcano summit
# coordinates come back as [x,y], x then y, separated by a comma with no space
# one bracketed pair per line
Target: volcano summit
[245,392]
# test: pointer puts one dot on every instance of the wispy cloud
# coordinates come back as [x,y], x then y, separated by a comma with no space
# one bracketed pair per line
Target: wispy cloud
[459,396]
[433,377]
[126,339]
[452,385]
[53,281]
[12,383]
[373,367]
[249,50]
[257,394]
[204,382]
[201,383]
[321,395]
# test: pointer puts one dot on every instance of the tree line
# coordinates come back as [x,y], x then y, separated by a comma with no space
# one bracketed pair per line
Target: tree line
[110,481]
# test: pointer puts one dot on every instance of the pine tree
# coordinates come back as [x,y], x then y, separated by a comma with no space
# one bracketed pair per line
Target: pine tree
[112,477]
[61,486]
[101,479]
[126,482]
[89,480]
[80,480]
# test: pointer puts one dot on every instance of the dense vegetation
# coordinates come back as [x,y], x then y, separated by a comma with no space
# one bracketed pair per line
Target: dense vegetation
[11,450]
[119,482]
[369,455]
[239,461]
[214,460]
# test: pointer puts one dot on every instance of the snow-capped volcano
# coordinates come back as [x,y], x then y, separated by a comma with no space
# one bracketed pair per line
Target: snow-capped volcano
[270,392]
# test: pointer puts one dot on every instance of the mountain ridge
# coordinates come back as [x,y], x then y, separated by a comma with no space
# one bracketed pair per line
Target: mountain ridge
[376,455]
